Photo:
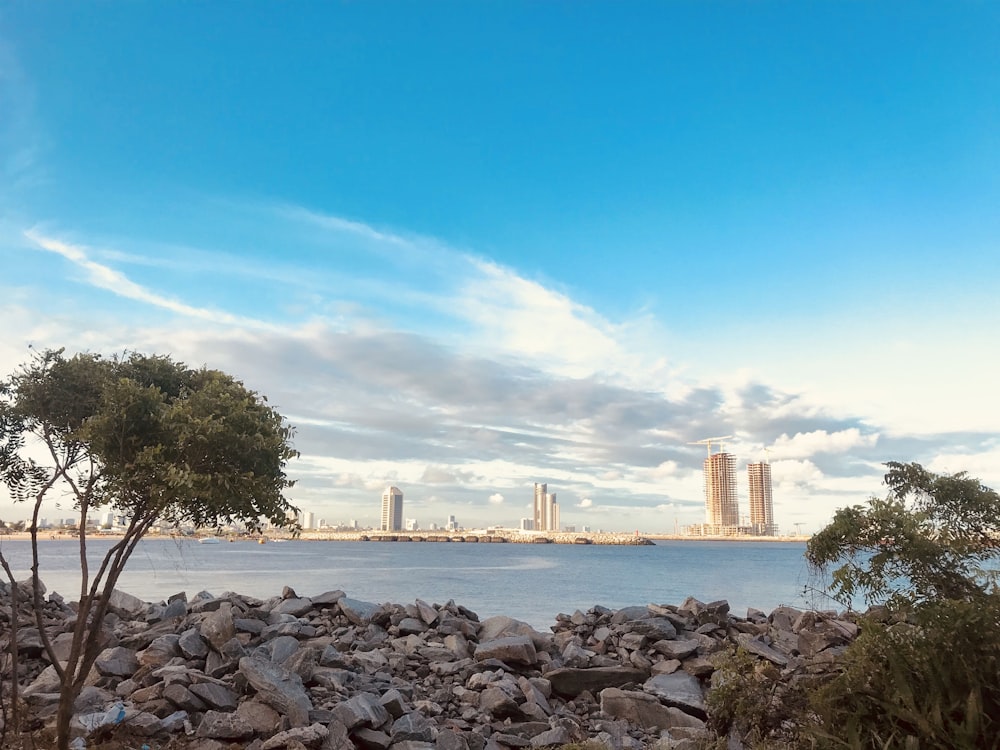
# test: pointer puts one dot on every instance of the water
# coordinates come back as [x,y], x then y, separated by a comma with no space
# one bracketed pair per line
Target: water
[528,581]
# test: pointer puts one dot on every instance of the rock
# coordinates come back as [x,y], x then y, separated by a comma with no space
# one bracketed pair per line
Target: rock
[676,649]
[260,716]
[310,736]
[513,649]
[412,726]
[496,702]
[555,736]
[126,606]
[411,625]
[160,651]
[224,726]
[216,696]
[217,628]
[393,702]
[279,688]
[117,662]
[192,645]
[371,739]
[358,612]
[361,710]
[283,647]
[761,649]
[628,614]
[570,682]
[644,710]
[678,689]
[654,628]
[296,606]
[183,698]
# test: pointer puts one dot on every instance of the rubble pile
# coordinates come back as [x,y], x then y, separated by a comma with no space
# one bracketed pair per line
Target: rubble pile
[334,673]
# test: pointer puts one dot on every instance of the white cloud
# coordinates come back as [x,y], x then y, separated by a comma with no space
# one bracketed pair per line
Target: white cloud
[806,444]
[585,503]
[104,277]
[496,499]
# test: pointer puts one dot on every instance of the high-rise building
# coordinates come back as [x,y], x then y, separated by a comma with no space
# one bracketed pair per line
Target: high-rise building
[392,510]
[307,519]
[722,510]
[761,507]
[546,510]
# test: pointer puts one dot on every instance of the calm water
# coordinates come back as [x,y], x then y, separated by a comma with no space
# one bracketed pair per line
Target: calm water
[528,581]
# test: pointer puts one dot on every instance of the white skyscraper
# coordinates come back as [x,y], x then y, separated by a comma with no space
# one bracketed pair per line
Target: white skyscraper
[546,510]
[392,510]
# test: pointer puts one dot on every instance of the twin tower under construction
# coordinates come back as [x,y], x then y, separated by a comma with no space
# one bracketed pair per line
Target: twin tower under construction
[722,508]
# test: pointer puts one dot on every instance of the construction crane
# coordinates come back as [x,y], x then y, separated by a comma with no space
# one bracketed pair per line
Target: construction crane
[767,455]
[708,442]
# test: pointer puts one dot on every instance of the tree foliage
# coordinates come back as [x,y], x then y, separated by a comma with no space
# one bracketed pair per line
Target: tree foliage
[928,677]
[932,537]
[151,439]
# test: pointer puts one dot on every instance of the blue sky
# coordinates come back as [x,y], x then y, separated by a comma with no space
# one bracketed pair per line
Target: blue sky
[470,246]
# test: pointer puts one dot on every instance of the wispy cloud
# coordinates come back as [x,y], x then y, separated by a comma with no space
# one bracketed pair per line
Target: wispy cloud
[106,278]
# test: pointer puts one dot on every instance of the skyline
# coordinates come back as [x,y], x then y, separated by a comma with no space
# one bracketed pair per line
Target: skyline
[464,249]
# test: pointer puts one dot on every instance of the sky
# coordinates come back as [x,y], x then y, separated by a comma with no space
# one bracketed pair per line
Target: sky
[467,247]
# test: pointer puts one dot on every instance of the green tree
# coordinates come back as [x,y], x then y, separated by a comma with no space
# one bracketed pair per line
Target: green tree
[926,675]
[149,438]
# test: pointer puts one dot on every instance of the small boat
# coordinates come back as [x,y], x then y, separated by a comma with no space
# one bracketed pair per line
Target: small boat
[209,540]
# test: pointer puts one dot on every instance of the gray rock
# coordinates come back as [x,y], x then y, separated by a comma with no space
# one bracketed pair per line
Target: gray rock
[393,702]
[361,710]
[513,649]
[296,607]
[449,739]
[676,649]
[761,649]
[310,736]
[175,608]
[126,606]
[555,736]
[183,698]
[496,702]
[217,628]
[411,625]
[279,688]
[283,647]
[371,739]
[264,719]
[216,696]
[327,598]
[427,613]
[224,726]
[192,645]
[628,614]
[338,738]
[412,726]
[356,611]
[571,682]
[117,662]
[635,707]
[678,689]
[654,628]
[160,651]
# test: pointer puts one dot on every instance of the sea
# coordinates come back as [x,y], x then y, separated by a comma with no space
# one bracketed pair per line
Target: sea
[530,582]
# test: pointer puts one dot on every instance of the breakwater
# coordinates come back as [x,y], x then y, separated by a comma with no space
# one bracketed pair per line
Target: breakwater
[499,536]
[334,672]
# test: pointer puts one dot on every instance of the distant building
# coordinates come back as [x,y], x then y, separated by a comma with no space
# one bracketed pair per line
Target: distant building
[722,510]
[527,524]
[546,510]
[452,524]
[392,510]
[307,519]
[761,506]
[412,524]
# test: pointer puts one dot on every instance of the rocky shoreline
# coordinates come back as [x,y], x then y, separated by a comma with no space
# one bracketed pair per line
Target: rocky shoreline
[331,672]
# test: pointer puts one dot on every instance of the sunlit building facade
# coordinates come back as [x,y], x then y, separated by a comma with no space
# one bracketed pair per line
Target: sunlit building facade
[722,509]
[392,510]
[761,505]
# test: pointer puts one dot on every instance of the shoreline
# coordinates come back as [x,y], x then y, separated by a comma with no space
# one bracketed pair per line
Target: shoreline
[453,537]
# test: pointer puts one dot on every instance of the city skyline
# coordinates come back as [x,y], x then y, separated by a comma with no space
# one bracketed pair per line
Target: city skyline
[459,273]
